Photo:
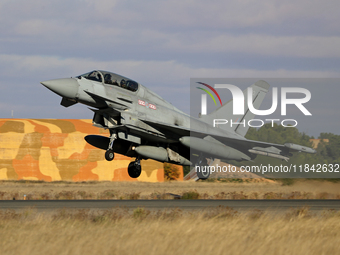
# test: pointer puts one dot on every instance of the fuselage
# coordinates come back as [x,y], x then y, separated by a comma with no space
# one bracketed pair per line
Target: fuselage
[129,102]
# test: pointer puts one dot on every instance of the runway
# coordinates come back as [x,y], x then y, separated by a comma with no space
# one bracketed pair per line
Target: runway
[240,205]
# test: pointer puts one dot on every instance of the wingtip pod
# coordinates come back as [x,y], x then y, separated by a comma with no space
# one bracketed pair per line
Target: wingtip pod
[297,147]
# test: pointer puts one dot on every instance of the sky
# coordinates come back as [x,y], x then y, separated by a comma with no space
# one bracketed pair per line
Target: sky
[162,44]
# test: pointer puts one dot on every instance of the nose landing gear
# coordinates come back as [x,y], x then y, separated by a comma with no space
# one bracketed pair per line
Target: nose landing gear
[109,154]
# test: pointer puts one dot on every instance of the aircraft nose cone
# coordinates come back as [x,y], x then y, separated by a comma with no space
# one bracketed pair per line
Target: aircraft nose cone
[63,87]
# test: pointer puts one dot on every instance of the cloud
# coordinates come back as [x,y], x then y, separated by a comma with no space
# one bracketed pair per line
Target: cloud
[286,46]
[287,28]
[161,44]
[17,66]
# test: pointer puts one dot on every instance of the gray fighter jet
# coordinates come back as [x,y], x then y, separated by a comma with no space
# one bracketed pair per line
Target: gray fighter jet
[145,126]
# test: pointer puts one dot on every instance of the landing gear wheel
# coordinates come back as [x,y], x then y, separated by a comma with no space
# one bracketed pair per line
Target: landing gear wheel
[134,169]
[109,155]
[203,175]
[203,171]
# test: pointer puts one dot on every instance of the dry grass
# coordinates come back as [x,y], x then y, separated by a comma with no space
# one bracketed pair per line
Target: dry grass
[303,189]
[215,231]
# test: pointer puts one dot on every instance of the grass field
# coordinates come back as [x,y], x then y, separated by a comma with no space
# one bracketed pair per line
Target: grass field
[238,189]
[215,231]
[212,231]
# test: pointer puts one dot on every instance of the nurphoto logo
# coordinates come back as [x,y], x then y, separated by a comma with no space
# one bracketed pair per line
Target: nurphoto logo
[247,101]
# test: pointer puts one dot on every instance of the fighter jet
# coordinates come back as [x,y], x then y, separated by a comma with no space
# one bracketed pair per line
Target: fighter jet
[143,125]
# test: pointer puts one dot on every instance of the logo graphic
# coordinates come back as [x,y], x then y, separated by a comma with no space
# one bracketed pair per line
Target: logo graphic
[245,104]
[204,97]
[208,92]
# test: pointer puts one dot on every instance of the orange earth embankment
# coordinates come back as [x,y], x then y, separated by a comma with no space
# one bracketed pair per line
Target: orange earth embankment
[55,149]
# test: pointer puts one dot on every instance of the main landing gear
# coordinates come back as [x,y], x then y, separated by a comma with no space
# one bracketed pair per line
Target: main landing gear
[134,169]
[202,170]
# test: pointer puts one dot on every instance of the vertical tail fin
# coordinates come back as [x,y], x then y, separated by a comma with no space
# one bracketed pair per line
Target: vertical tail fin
[260,88]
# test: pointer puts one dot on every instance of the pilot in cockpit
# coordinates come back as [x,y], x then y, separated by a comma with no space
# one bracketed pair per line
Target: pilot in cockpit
[95,76]
[123,83]
[107,79]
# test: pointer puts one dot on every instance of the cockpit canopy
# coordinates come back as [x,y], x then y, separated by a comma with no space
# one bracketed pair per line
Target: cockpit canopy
[109,78]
